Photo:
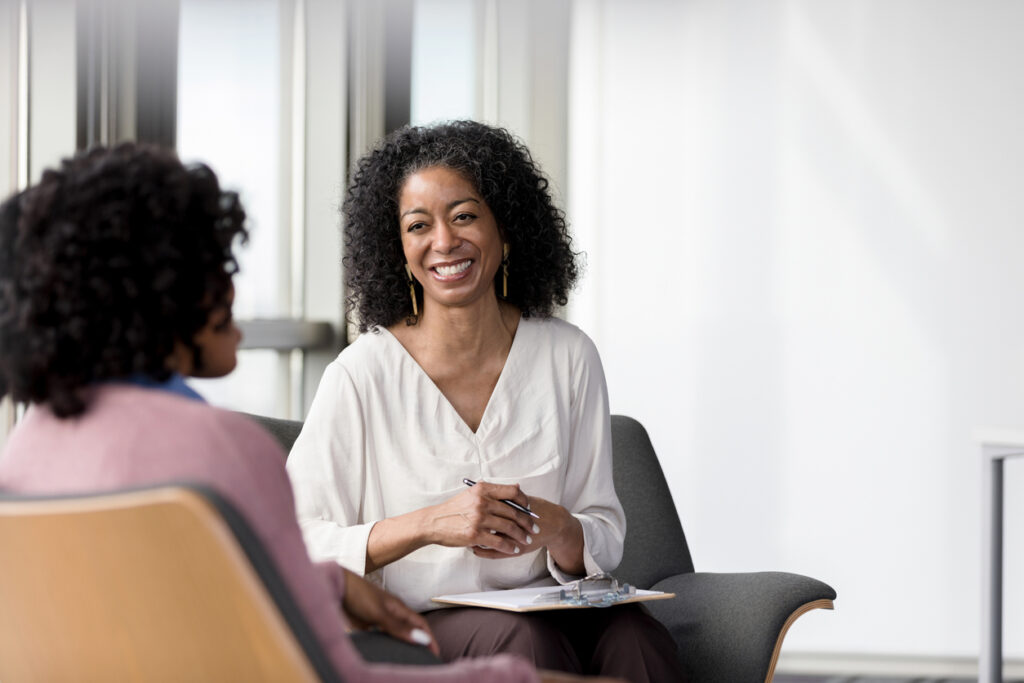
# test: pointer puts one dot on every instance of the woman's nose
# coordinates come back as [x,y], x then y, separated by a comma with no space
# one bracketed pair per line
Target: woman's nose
[445,238]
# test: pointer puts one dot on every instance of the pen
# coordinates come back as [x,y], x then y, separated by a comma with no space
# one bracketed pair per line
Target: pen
[506,501]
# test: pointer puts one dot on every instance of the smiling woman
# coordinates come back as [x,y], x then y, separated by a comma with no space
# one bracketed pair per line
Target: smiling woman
[496,171]
[449,236]
[469,378]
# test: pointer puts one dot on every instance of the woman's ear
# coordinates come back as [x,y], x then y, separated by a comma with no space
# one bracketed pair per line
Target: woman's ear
[181,360]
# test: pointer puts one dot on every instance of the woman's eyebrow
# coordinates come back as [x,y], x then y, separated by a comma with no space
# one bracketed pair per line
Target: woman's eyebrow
[451,205]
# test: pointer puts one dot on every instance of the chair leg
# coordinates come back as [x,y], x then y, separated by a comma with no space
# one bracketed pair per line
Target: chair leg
[797,613]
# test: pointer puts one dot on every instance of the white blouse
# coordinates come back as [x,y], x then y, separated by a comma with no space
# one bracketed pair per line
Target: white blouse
[381,440]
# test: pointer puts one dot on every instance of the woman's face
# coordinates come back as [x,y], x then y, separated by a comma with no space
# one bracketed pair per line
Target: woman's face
[450,238]
[217,343]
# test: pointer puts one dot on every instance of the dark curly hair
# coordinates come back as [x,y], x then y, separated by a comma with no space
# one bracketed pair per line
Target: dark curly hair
[542,264]
[109,260]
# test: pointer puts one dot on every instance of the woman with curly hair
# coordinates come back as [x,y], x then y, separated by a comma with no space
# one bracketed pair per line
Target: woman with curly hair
[455,259]
[115,283]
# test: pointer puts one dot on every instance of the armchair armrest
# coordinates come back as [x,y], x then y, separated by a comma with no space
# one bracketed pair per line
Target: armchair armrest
[376,646]
[729,627]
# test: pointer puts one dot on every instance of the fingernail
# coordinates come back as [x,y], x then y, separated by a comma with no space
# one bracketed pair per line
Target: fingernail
[516,551]
[419,636]
[536,529]
[529,541]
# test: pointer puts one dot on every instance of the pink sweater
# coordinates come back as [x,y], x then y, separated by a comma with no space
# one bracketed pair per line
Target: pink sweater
[134,436]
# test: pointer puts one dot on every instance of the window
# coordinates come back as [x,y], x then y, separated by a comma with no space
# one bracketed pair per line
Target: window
[230,98]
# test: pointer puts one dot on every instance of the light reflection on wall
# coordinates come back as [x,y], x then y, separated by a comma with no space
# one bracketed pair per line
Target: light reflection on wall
[229,117]
[444,56]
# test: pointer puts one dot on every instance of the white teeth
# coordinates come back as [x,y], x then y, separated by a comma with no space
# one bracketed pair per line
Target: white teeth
[448,271]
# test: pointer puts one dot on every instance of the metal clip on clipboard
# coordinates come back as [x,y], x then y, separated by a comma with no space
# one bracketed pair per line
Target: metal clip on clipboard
[596,590]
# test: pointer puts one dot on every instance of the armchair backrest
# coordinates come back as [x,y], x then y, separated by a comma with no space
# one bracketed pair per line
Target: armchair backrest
[285,431]
[655,543]
[165,583]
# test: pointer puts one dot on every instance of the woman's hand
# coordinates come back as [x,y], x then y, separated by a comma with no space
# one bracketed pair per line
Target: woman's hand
[477,517]
[558,531]
[367,605]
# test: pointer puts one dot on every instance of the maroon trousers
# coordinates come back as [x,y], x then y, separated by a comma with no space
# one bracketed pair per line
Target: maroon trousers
[623,641]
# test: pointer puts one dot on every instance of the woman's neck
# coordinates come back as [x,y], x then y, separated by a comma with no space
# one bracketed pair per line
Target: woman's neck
[468,333]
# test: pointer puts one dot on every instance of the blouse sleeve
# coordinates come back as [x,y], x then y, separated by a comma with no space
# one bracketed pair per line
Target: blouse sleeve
[589,492]
[327,467]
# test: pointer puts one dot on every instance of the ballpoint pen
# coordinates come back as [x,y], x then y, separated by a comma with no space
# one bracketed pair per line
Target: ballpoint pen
[506,501]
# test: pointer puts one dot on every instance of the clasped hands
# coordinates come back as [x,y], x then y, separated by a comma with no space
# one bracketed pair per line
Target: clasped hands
[479,519]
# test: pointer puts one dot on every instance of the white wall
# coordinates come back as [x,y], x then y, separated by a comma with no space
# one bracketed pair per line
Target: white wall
[503,63]
[444,56]
[10,49]
[10,113]
[803,222]
[51,77]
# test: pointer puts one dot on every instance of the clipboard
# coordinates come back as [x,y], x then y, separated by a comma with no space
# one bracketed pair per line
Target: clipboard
[548,598]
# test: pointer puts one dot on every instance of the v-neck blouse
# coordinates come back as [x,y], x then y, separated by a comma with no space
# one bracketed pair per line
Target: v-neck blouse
[381,440]
[415,368]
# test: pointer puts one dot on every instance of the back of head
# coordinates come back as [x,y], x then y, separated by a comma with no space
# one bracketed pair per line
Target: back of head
[107,262]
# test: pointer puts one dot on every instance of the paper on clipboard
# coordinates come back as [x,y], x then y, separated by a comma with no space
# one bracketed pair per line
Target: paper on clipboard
[536,599]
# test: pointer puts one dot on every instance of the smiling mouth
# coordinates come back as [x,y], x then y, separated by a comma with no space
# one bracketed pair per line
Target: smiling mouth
[453,269]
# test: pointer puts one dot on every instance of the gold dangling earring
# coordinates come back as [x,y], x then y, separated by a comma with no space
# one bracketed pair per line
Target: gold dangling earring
[412,290]
[504,271]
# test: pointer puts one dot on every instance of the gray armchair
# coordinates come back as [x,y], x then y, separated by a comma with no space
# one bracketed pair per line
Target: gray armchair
[728,627]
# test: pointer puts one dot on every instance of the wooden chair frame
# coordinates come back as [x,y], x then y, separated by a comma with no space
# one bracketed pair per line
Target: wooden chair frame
[161,584]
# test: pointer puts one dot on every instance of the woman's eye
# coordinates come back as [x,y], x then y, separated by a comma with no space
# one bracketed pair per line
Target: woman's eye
[415,226]
[224,324]
[465,217]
